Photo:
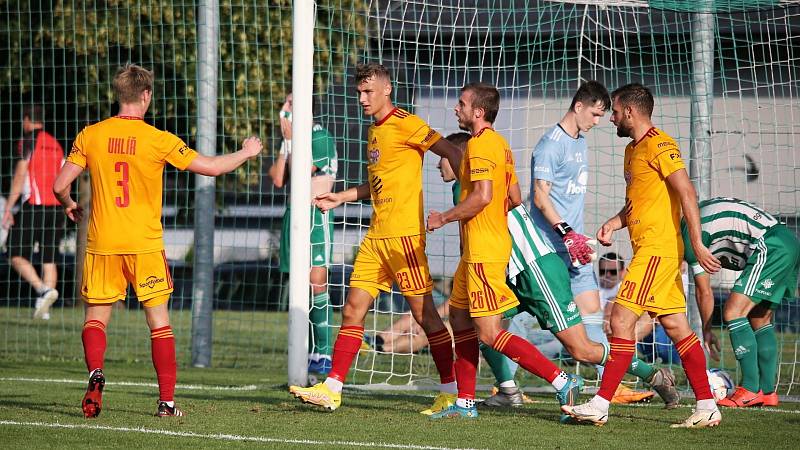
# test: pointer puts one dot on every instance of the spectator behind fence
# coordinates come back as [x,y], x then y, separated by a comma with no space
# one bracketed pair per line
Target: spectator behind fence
[38,219]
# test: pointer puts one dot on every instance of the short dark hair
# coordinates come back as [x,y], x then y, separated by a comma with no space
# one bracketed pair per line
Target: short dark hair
[590,93]
[636,96]
[611,256]
[484,96]
[459,139]
[365,71]
[34,113]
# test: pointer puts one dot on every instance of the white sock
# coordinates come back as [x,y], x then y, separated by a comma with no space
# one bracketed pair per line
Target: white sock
[42,289]
[450,388]
[171,404]
[707,405]
[600,403]
[508,384]
[465,402]
[560,381]
[334,384]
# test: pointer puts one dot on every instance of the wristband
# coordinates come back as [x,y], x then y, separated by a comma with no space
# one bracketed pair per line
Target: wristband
[562,228]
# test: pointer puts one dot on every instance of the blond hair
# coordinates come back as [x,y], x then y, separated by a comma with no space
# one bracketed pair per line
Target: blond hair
[130,81]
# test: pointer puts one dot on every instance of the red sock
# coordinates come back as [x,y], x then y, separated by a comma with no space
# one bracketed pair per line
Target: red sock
[694,364]
[344,350]
[94,344]
[466,365]
[162,343]
[526,355]
[441,345]
[619,360]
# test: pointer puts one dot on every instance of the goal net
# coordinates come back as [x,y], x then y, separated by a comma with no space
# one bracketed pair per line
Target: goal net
[537,53]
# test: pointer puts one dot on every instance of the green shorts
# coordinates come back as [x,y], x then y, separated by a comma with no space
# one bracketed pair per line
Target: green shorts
[321,239]
[544,291]
[771,271]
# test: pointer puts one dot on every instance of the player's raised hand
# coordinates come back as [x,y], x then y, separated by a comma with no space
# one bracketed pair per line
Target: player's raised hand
[706,259]
[604,234]
[252,146]
[327,201]
[435,221]
[74,212]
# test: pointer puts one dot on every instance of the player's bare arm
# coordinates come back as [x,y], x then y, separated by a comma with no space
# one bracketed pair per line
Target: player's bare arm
[617,222]
[446,149]
[326,202]
[679,181]
[705,304]
[542,202]
[514,196]
[61,188]
[17,183]
[469,208]
[213,166]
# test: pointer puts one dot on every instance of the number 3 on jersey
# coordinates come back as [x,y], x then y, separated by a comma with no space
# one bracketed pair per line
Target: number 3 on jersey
[121,167]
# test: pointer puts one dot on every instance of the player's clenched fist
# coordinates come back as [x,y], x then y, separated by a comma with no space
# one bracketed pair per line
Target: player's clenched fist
[252,146]
[435,220]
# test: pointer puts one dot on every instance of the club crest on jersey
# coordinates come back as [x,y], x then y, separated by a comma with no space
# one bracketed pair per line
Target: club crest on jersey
[373,156]
[768,283]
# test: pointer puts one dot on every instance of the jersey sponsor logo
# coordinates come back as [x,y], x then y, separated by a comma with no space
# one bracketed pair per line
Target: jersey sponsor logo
[478,171]
[674,155]
[183,150]
[541,169]
[578,185]
[428,136]
[151,282]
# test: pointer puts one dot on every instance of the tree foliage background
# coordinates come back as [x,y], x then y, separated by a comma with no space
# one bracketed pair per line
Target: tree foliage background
[64,54]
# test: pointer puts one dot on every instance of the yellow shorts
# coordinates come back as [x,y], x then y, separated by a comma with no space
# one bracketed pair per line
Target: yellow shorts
[106,278]
[481,288]
[653,284]
[402,260]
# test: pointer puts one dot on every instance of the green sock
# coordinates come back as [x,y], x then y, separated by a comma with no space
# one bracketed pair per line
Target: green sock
[319,316]
[500,365]
[641,369]
[743,341]
[767,357]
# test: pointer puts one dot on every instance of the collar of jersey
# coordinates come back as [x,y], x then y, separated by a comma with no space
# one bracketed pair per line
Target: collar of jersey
[129,117]
[644,137]
[385,118]
[480,132]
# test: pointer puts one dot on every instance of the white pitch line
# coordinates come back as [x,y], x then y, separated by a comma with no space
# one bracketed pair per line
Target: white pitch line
[191,387]
[225,437]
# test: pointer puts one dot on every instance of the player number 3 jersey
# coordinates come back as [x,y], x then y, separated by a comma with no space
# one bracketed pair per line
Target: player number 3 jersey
[395,148]
[126,158]
[652,208]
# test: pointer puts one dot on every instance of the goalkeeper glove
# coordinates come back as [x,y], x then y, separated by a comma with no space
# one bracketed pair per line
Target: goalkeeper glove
[577,244]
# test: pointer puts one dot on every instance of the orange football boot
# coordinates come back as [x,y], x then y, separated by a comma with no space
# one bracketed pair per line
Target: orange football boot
[742,398]
[769,399]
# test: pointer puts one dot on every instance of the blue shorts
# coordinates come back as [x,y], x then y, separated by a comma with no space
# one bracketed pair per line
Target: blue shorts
[581,278]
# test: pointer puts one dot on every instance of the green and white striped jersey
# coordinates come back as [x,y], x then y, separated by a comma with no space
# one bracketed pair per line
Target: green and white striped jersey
[732,229]
[527,243]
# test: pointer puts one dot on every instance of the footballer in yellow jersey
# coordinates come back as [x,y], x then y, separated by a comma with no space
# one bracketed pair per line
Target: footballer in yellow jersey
[395,147]
[125,158]
[393,251]
[658,189]
[653,207]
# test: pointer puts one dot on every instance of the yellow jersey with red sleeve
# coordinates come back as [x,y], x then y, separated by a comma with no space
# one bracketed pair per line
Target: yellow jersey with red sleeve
[126,157]
[395,147]
[487,157]
[652,207]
